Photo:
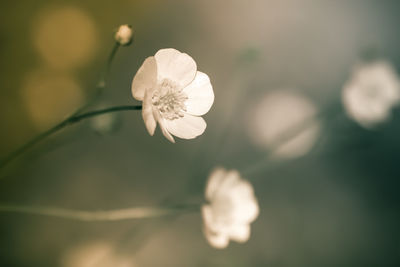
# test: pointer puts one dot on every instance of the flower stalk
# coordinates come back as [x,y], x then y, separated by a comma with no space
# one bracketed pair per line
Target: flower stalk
[102,83]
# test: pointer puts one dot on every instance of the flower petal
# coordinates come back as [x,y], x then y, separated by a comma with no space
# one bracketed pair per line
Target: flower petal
[176,66]
[246,209]
[216,177]
[187,127]
[147,113]
[145,78]
[206,212]
[217,240]
[240,233]
[231,179]
[163,127]
[200,95]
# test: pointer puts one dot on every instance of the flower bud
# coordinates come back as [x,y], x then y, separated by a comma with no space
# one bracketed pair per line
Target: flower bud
[124,34]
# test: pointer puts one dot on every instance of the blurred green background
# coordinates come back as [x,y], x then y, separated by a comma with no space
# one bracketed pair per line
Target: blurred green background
[337,205]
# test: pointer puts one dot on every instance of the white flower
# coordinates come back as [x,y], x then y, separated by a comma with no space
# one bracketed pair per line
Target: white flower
[232,207]
[371,93]
[124,34]
[174,94]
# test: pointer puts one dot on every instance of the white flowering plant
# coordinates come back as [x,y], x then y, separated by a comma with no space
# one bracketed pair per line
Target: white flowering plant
[172,93]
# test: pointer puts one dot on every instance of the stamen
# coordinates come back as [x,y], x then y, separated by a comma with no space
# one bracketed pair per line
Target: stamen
[170,100]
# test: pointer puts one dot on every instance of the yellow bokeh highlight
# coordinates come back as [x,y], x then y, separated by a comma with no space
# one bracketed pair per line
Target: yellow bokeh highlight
[65,37]
[50,97]
[95,254]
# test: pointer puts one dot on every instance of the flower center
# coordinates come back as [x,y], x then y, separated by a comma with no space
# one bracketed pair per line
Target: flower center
[372,91]
[169,100]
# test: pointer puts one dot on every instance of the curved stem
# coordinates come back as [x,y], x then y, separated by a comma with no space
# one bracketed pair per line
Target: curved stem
[102,83]
[94,113]
[68,121]
[110,215]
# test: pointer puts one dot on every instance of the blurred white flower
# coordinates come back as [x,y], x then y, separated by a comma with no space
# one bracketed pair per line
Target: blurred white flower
[283,122]
[174,94]
[232,207]
[124,34]
[371,93]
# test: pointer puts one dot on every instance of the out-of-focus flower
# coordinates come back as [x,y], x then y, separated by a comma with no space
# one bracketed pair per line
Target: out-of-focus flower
[124,34]
[174,94]
[284,123]
[232,207]
[371,93]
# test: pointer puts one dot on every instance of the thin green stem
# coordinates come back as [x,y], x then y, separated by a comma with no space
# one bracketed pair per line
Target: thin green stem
[68,121]
[109,215]
[86,115]
[103,79]
[111,57]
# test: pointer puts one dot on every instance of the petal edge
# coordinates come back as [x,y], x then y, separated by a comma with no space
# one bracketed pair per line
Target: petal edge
[200,95]
[144,79]
[176,66]
[187,127]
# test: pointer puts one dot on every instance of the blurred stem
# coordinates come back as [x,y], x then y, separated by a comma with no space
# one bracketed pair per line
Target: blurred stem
[68,121]
[110,215]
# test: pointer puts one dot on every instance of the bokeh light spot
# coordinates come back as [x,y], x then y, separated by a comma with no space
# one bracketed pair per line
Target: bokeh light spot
[50,96]
[96,254]
[65,37]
